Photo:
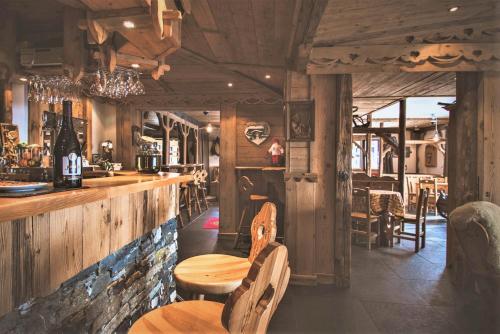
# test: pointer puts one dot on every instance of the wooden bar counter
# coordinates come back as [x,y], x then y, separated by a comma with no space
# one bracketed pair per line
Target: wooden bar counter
[47,239]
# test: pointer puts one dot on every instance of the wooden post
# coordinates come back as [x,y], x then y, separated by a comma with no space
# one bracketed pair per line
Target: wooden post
[197,139]
[7,63]
[402,147]
[331,161]
[369,154]
[227,175]
[185,133]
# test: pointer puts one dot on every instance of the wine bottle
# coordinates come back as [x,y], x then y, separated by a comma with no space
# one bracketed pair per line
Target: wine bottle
[67,153]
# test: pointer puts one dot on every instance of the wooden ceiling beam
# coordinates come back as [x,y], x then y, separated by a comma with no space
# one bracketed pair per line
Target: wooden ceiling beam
[227,69]
[378,131]
[307,15]
[446,57]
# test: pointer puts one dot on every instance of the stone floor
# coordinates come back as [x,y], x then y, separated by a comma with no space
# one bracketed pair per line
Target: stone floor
[392,290]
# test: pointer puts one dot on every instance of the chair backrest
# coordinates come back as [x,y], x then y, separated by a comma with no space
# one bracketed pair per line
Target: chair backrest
[430,184]
[423,200]
[361,200]
[197,177]
[245,187]
[203,175]
[263,229]
[250,307]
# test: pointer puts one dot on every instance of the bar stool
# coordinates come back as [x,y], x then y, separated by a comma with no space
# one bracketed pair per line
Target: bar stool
[185,198]
[193,190]
[249,199]
[203,187]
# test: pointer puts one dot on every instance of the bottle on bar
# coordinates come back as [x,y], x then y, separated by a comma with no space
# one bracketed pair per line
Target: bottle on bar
[67,158]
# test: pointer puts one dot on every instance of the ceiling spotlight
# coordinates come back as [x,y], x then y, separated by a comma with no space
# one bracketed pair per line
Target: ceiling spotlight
[230,84]
[135,65]
[23,79]
[129,24]
[453,9]
[268,76]
[209,128]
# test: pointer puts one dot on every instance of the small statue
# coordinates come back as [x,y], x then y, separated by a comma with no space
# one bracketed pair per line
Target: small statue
[276,151]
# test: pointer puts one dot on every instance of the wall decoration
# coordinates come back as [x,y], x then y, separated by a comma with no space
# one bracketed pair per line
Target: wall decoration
[300,121]
[430,156]
[257,132]
[9,139]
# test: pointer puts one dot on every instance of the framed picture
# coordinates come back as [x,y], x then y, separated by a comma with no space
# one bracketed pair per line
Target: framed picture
[430,156]
[300,121]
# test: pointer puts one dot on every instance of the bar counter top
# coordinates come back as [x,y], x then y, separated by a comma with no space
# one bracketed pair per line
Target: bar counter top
[262,168]
[93,190]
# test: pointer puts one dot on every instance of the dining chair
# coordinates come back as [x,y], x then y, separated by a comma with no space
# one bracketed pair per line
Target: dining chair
[249,200]
[432,189]
[419,220]
[248,310]
[202,187]
[220,273]
[362,216]
[412,193]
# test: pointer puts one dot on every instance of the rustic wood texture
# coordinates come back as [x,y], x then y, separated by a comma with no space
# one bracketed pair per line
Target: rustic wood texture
[126,117]
[198,316]
[489,137]
[324,164]
[97,189]
[401,147]
[343,186]
[250,308]
[263,229]
[212,273]
[249,154]
[38,253]
[220,273]
[66,246]
[96,231]
[228,191]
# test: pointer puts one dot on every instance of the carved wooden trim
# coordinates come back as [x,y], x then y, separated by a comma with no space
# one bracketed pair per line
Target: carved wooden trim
[179,101]
[405,57]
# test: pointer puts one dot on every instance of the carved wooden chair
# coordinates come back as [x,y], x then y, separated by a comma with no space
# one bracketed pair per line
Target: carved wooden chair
[248,200]
[248,310]
[362,217]
[419,220]
[220,273]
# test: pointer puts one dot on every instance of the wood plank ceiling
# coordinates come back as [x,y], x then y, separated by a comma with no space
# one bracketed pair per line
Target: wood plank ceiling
[389,22]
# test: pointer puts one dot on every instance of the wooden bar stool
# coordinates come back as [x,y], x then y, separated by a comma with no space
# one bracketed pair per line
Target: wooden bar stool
[203,187]
[249,199]
[220,273]
[248,310]
[193,190]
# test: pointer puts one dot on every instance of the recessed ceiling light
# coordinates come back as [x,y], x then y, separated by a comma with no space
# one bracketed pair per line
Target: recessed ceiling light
[129,24]
[23,79]
[453,9]
[135,65]
[230,84]
[268,76]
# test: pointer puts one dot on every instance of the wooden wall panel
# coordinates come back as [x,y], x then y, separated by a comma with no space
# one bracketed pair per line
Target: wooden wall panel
[126,117]
[66,253]
[96,231]
[249,154]
[6,302]
[306,227]
[39,253]
[21,260]
[40,248]
[122,231]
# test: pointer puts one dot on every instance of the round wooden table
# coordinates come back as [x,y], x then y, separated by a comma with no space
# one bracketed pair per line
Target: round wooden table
[211,273]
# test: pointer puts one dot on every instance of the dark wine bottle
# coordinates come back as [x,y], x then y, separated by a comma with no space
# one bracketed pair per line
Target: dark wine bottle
[67,153]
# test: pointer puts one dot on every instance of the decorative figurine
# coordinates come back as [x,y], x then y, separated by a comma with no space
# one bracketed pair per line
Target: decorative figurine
[276,151]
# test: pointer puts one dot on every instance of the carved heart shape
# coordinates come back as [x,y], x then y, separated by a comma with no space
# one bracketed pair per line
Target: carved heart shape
[257,132]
